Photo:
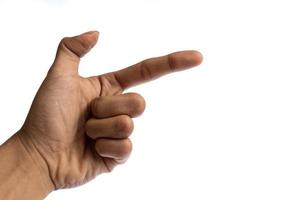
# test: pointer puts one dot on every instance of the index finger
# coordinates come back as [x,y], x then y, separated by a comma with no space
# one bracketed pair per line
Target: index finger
[156,67]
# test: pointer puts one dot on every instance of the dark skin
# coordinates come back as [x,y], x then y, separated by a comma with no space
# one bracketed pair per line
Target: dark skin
[79,127]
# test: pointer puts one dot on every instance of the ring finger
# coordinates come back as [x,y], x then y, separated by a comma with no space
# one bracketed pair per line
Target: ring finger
[118,127]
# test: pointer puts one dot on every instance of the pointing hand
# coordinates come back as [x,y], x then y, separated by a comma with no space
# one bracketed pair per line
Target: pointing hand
[78,127]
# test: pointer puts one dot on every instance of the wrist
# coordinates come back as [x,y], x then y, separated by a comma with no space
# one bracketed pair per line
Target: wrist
[23,175]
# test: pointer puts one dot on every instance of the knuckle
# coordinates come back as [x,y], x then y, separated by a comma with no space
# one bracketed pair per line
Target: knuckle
[98,145]
[87,126]
[95,108]
[125,149]
[139,103]
[63,43]
[124,125]
[89,130]
[109,165]
[172,62]
[69,47]
[145,71]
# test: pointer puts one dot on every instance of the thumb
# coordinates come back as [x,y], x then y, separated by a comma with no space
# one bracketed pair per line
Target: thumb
[70,50]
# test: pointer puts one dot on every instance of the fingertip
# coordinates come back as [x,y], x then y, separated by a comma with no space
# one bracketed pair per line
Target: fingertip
[94,34]
[185,59]
[91,33]
[192,58]
[197,57]
[90,38]
[139,104]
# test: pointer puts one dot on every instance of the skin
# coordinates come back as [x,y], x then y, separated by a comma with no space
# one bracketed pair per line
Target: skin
[78,127]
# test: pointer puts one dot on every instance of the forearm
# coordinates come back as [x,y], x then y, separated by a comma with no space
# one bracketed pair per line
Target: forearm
[20,176]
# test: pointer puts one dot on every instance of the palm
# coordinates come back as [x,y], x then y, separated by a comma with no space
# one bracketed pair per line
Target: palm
[56,121]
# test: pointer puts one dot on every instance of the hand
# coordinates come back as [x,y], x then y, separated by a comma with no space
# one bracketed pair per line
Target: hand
[78,127]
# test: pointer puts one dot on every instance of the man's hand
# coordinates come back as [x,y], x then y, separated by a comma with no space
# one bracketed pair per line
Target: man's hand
[78,127]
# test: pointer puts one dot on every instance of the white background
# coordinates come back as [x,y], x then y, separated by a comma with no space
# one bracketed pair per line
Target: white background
[226,130]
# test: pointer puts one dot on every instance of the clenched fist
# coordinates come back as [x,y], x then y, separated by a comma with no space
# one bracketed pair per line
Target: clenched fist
[78,127]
